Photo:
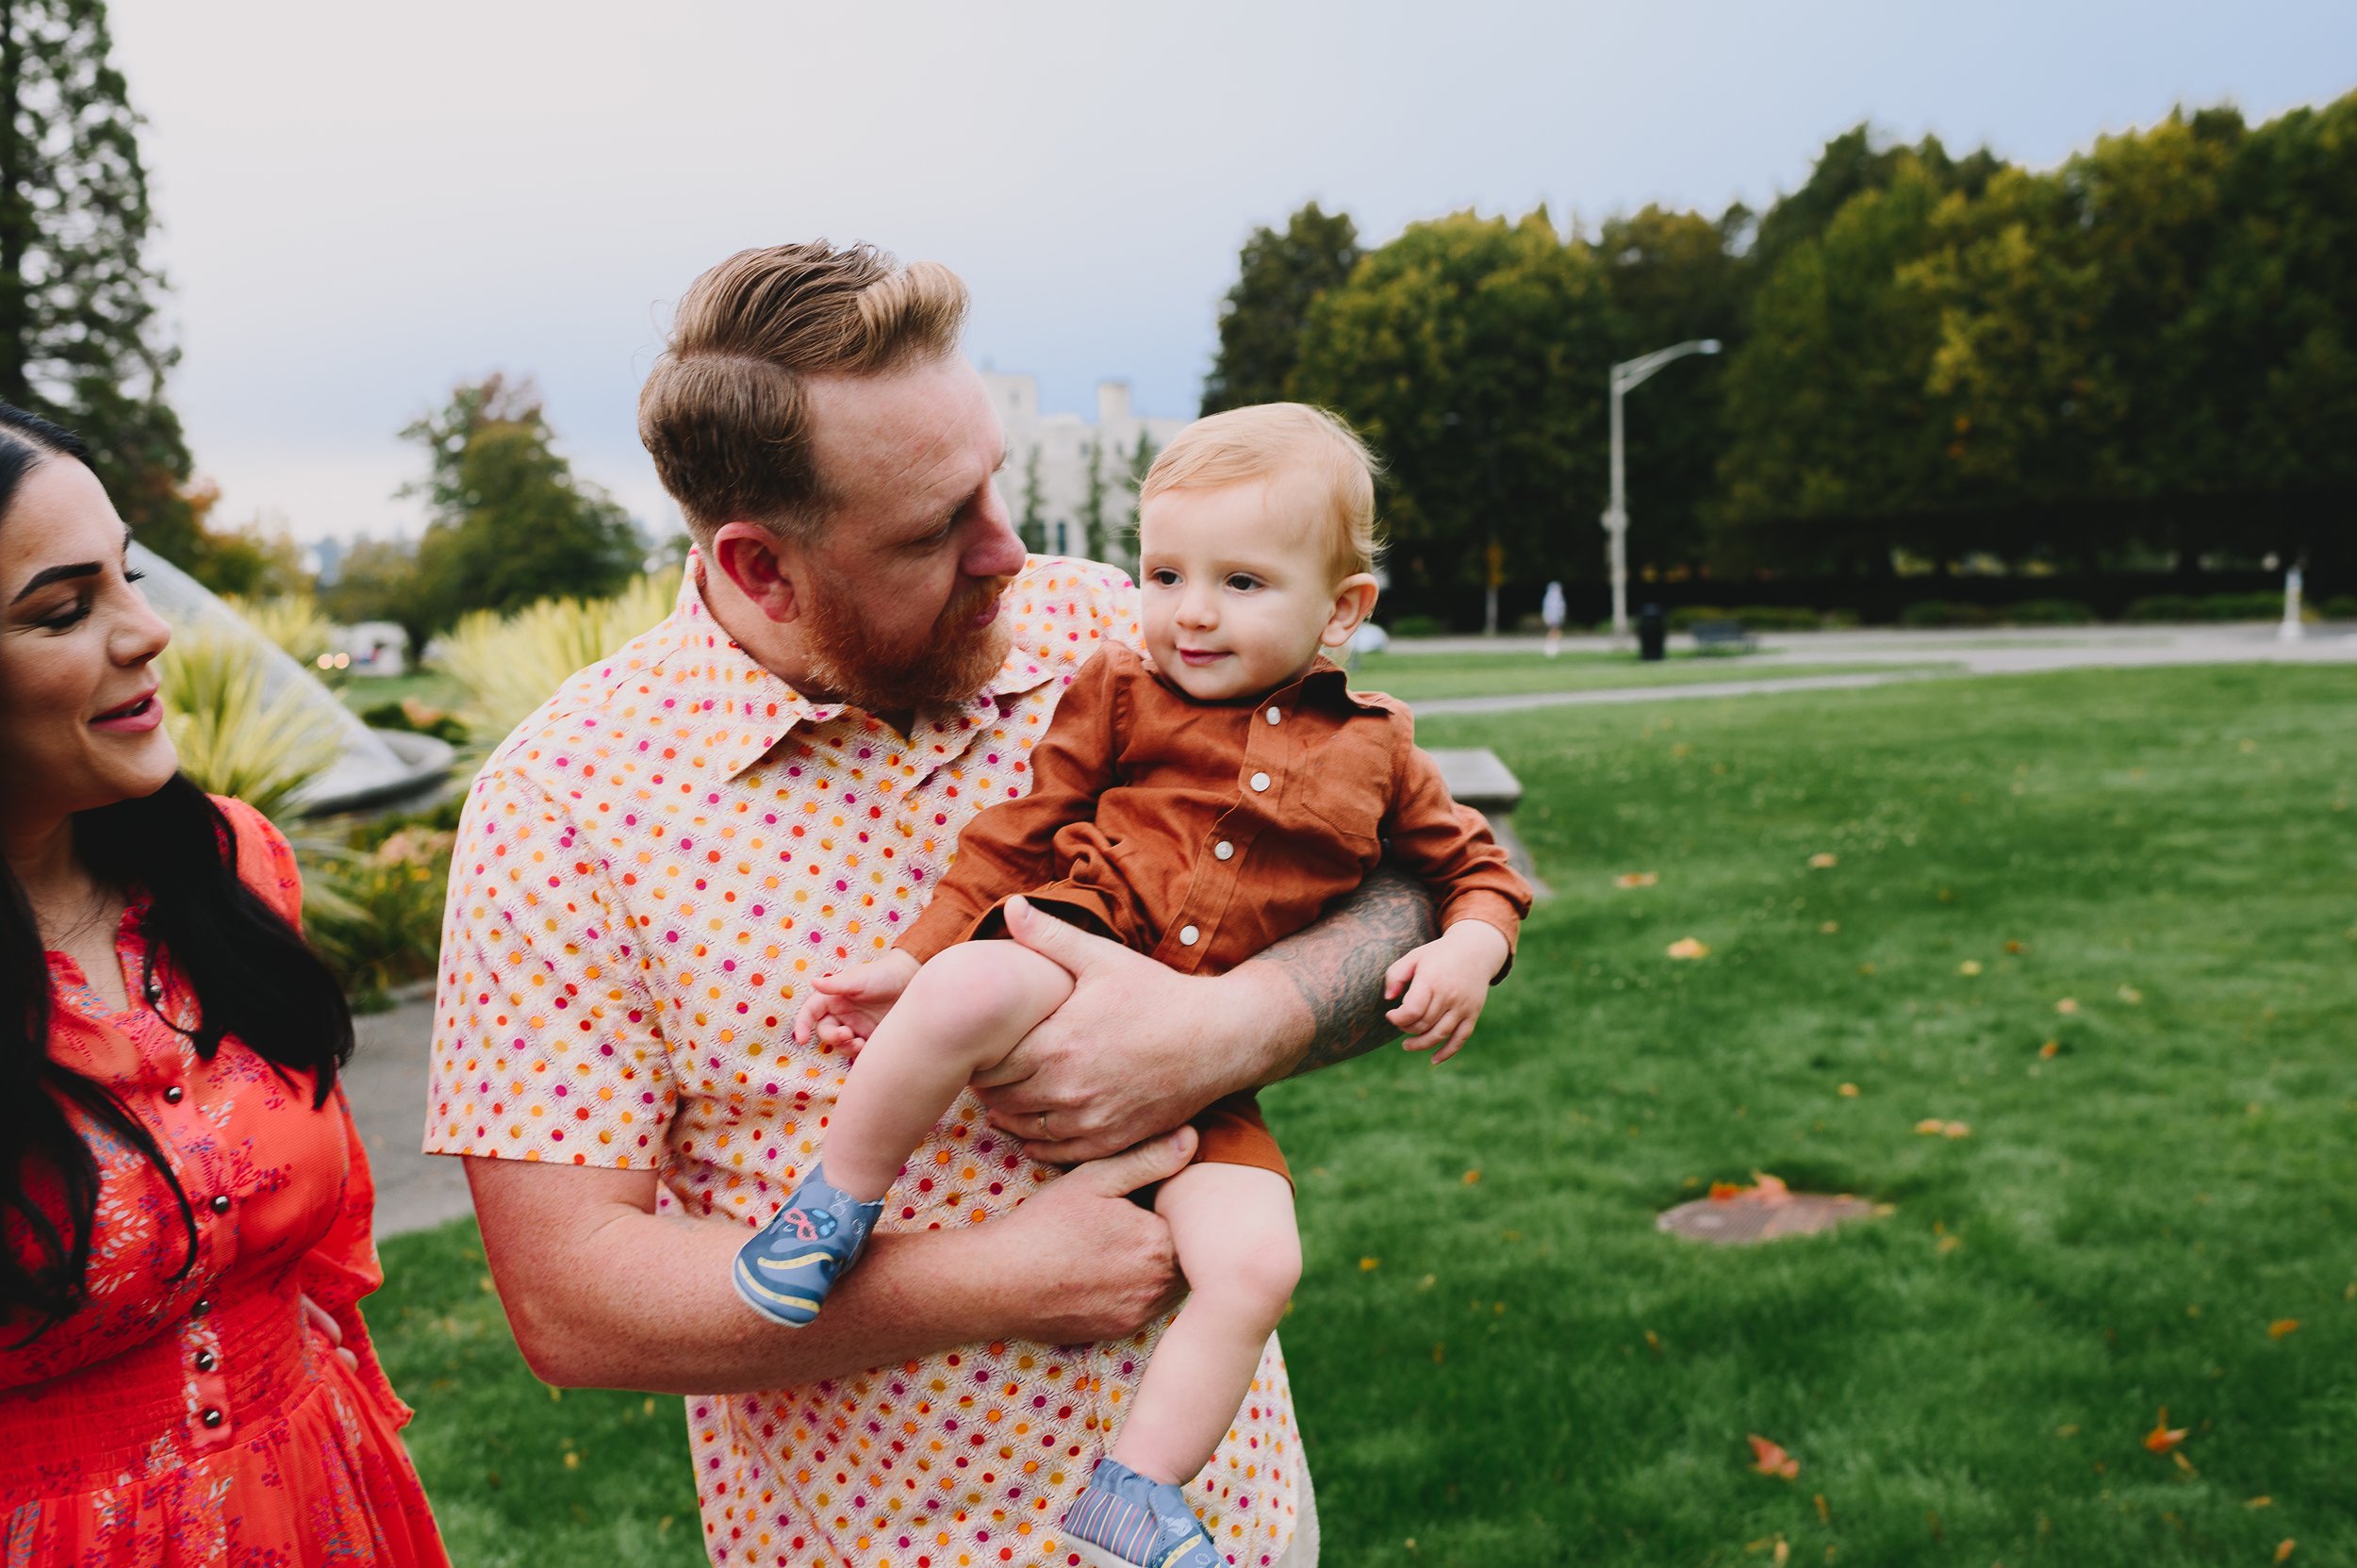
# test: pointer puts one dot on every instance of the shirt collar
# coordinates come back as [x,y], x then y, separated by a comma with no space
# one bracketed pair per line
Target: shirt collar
[738,709]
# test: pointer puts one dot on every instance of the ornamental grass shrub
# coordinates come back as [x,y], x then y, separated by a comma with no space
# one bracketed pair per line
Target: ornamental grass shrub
[509,664]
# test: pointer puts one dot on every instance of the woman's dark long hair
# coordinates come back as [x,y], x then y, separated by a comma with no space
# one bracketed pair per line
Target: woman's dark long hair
[252,974]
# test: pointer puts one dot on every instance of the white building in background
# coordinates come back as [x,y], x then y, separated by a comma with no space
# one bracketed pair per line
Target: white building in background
[1062,446]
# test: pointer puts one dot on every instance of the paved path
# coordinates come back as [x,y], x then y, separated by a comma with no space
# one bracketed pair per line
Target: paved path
[1954,653]
[386,1079]
[386,1083]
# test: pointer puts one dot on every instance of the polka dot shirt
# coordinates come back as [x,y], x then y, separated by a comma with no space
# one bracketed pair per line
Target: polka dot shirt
[649,873]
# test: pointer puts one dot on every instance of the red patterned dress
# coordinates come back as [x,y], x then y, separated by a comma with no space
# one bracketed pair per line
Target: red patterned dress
[197,1419]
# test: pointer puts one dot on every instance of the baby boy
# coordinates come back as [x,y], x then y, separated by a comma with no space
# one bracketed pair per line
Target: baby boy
[1195,803]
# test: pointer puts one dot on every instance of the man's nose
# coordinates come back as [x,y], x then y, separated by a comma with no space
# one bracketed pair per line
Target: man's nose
[998,550]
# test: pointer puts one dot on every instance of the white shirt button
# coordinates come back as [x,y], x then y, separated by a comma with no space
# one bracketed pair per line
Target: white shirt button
[1224,850]
[1187,936]
[1275,717]
[1259,781]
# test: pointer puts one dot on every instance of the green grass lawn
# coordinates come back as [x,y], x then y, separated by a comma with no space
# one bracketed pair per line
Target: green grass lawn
[1428,677]
[430,686]
[1500,1361]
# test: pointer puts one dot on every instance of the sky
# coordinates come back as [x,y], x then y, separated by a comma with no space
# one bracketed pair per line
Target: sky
[361,206]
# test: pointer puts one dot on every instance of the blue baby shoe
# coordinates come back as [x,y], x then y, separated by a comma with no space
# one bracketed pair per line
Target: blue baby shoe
[1122,1520]
[786,1272]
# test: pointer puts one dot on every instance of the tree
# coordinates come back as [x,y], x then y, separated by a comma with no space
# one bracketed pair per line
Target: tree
[1673,277]
[378,581]
[80,337]
[1827,400]
[1280,276]
[1472,353]
[1141,463]
[1092,495]
[1850,165]
[1033,525]
[511,524]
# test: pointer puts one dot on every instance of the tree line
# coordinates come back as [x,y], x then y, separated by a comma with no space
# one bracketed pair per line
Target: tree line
[2144,360]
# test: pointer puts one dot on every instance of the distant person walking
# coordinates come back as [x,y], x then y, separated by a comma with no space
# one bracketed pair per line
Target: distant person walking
[1550,611]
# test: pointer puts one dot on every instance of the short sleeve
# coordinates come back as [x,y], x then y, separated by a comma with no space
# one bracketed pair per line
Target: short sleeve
[265,862]
[547,1043]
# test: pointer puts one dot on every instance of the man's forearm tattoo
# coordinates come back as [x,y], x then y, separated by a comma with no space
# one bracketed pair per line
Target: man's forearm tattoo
[1337,965]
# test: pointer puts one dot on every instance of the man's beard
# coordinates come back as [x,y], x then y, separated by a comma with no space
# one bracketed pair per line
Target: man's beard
[949,664]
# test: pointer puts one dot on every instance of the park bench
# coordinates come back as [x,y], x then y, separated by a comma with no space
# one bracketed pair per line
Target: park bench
[1710,635]
[1477,777]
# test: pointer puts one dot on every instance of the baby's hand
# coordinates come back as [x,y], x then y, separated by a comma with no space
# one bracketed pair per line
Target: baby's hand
[1446,982]
[844,1008]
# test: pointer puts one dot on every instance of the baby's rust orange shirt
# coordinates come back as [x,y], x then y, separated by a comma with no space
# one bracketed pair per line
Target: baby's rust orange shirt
[1201,833]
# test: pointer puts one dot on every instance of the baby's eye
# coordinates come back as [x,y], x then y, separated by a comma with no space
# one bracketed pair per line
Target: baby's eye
[1242,582]
[1162,577]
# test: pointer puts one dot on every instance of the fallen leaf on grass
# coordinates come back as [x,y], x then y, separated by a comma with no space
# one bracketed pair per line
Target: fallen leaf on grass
[2260,1502]
[1932,1126]
[2067,1006]
[1653,1342]
[1848,1091]
[1829,928]
[1766,1188]
[1823,862]
[2163,1437]
[2050,1049]
[1368,1265]
[1686,947]
[1770,1459]
[1471,1177]
[2015,948]
[1969,967]
[2285,1548]
[1636,878]
[2283,1326]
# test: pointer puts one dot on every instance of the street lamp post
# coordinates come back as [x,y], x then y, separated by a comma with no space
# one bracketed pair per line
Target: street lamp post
[1626,375]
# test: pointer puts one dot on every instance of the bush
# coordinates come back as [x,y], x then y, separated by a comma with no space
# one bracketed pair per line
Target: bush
[1940,612]
[510,665]
[1682,619]
[2243,607]
[2165,606]
[1779,618]
[2050,612]
[1418,626]
[2339,607]
[411,715]
[293,621]
[235,737]
[374,909]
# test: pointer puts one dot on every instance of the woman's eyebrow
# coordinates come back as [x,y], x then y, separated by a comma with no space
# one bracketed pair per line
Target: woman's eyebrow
[47,575]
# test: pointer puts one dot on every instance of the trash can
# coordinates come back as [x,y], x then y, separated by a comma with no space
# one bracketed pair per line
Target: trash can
[1653,634]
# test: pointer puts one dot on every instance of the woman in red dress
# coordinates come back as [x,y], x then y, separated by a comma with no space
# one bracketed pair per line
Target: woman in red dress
[185,1377]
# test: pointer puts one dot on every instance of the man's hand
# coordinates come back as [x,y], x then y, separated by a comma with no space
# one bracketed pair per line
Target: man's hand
[1105,1266]
[1446,981]
[1136,1049]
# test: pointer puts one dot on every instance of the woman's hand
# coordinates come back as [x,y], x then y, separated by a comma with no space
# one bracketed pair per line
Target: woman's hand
[323,1323]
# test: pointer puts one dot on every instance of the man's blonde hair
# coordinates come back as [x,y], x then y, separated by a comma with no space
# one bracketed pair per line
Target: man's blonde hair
[1270,441]
[726,411]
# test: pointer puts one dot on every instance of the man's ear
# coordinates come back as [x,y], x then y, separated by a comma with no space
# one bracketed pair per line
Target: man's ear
[1354,600]
[761,566]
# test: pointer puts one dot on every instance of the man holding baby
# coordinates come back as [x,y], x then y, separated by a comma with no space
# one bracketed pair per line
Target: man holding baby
[768,787]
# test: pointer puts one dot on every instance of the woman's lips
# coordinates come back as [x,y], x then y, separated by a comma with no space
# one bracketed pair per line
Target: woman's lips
[135,717]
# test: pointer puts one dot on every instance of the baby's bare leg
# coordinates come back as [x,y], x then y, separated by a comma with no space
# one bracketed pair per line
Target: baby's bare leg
[963,1011]
[1233,1226]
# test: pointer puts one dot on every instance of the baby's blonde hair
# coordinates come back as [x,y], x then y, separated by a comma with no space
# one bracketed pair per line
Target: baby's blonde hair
[1271,439]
